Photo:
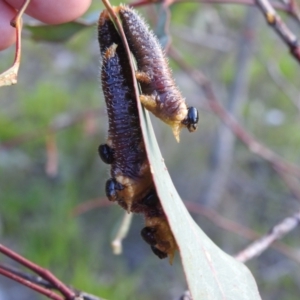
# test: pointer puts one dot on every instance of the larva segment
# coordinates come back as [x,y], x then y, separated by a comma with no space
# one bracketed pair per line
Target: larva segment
[161,96]
[158,234]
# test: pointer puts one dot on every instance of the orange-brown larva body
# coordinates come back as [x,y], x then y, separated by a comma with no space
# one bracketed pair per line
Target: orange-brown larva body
[160,93]
[160,236]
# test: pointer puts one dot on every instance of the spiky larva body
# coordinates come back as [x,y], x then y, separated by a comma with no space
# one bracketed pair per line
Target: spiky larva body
[129,164]
[160,95]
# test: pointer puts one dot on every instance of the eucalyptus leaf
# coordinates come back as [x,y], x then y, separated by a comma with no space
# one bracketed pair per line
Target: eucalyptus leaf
[210,272]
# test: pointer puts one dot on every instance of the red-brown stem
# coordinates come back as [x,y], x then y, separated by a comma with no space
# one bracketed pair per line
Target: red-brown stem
[48,293]
[69,294]
[277,232]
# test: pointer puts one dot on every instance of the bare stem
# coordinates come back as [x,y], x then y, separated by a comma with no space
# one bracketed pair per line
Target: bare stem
[121,234]
[48,293]
[238,229]
[47,275]
[274,20]
[276,233]
[45,284]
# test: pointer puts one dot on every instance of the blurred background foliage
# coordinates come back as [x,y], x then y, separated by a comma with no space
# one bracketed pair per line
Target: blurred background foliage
[57,111]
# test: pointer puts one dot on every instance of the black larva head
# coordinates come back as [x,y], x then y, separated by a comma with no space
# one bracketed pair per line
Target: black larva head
[192,119]
[106,153]
[151,199]
[159,253]
[111,189]
[148,234]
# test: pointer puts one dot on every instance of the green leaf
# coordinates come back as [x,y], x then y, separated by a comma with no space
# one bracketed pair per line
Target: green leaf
[210,272]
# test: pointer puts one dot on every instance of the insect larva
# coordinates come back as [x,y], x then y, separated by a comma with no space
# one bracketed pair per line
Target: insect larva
[157,233]
[131,178]
[160,93]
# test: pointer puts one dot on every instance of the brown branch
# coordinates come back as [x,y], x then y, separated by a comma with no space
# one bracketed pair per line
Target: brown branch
[277,232]
[43,283]
[48,293]
[30,277]
[274,20]
[47,275]
[252,144]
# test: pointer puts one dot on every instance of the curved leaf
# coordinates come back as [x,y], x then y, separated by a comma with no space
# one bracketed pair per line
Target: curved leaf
[210,272]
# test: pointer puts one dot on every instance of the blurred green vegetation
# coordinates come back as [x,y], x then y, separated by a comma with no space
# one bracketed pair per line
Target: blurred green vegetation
[59,82]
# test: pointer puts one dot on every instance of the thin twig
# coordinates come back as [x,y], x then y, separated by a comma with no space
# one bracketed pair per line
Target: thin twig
[116,244]
[41,282]
[48,293]
[44,273]
[277,232]
[274,20]
[30,277]
[252,144]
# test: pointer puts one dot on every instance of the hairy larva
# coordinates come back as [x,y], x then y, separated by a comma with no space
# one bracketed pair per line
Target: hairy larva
[160,93]
[124,150]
